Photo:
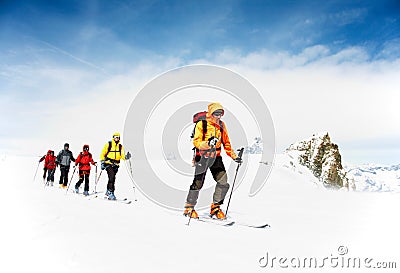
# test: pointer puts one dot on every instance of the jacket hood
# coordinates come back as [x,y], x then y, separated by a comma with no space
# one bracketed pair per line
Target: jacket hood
[49,152]
[85,146]
[212,107]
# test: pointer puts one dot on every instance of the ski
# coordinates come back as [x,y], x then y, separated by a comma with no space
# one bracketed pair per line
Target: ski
[124,200]
[91,194]
[220,222]
[231,222]
[260,226]
[87,196]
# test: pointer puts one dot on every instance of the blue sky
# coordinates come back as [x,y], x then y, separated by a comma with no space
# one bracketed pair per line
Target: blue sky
[54,53]
[99,31]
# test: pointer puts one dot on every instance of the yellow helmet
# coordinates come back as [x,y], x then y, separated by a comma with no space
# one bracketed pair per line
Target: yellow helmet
[116,134]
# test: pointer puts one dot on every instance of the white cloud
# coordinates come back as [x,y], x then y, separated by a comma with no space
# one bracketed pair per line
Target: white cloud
[344,93]
[349,16]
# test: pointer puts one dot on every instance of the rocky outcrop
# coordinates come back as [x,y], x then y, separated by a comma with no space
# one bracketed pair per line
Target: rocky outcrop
[323,158]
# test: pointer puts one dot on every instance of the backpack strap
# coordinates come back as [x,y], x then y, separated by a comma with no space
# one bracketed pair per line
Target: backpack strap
[221,128]
[204,128]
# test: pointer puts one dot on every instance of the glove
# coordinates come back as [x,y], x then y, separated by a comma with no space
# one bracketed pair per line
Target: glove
[95,163]
[212,141]
[103,165]
[238,160]
[128,156]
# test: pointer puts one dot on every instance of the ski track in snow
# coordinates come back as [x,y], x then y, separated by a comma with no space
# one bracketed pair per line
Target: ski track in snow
[46,230]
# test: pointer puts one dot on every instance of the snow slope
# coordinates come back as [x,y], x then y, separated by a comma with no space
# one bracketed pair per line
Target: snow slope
[47,230]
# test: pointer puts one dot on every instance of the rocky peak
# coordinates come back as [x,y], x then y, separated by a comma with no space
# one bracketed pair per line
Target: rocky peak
[323,158]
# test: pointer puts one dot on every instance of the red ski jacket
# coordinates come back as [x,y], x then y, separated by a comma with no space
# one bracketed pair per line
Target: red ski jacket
[84,160]
[49,160]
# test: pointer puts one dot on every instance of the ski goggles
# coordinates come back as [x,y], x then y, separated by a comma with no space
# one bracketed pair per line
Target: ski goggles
[218,113]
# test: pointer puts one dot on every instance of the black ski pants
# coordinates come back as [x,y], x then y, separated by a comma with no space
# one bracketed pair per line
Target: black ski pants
[111,171]
[83,175]
[64,175]
[50,174]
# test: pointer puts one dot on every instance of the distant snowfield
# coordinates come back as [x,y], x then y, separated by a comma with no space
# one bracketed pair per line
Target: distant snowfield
[47,230]
[372,177]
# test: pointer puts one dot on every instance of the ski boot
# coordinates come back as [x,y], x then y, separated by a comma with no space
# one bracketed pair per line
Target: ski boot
[107,193]
[111,196]
[216,210]
[51,183]
[86,193]
[190,212]
[76,190]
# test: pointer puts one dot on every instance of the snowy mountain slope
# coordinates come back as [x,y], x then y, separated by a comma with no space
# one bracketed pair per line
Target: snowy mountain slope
[323,160]
[46,230]
[374,177]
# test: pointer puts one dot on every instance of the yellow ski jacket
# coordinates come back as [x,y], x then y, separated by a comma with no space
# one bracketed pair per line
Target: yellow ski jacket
[112,152]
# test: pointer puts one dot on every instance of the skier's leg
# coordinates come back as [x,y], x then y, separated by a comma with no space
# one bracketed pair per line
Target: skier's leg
[79,183]
[62,171]
[44,174]
[198,181]
[49,175]
[87,173]
[219,174]
[111,179]
[66,176]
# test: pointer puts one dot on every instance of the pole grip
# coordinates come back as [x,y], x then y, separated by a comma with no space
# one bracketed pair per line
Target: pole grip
[240,154]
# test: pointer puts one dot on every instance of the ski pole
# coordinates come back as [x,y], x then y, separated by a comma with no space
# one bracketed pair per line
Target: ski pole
[234,180]
[36,171]
[71,179]
[97,181]
[133,184]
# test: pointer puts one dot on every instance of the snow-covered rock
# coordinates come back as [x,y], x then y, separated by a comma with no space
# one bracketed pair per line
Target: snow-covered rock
[256,147]
[323,158]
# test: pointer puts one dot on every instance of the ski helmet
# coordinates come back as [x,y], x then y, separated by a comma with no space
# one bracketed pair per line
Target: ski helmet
[86,147]
[66,145]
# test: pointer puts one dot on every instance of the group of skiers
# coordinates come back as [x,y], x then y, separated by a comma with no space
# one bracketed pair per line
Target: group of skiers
[209,135]
[110,157]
